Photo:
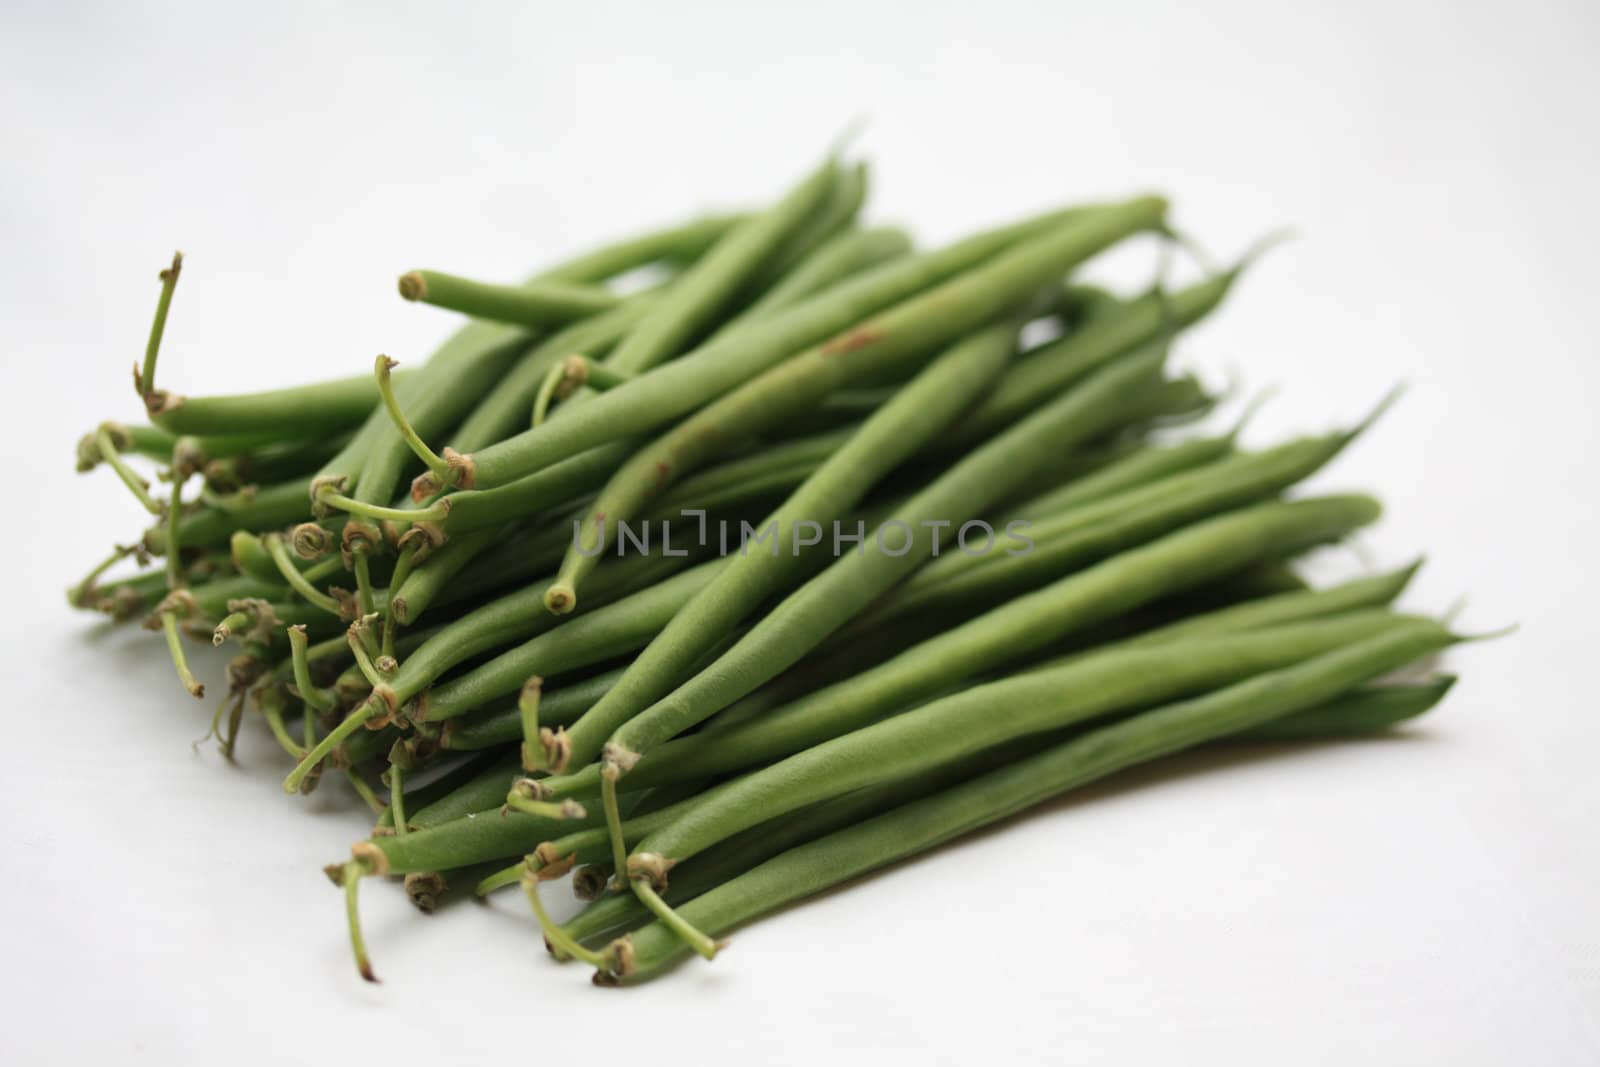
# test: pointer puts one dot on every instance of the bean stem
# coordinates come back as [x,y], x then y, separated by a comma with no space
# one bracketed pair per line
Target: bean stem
[675,922]
[169,626]
[158,326]
[560,943]
[136,485]
[431,459]
[278,549]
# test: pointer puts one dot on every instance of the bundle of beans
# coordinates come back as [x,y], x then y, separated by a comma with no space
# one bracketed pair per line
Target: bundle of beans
[928,553]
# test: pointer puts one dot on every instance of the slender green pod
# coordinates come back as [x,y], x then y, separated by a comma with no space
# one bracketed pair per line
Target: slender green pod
[1120,583]
[559,707]
[474,838]
[1369,592]
[1064,540]
[518,616]
[892,435]
[963,296]
[680,243]
[1093,685]
[991,797]
[705,289]
[1113,331]
[841,256]
[621,627]
[543,303]
[837,211]
[625,723]
[1140,467]
[504,410]
[1364,712]
[328,407]
[483,791]
[463,367]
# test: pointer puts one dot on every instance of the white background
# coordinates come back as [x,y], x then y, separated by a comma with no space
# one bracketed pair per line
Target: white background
[1431,897]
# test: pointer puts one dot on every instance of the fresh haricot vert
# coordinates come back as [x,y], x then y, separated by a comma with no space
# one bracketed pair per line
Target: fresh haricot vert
[533,304]
[1117,329]
[889,437]
[777,721]
[1362,712]
[643,710]
[1119,584]
[1063,540]
[707,286]
[465,366]
[473,512]
[841,256]
[837,211]
[1245,704]
[939,294]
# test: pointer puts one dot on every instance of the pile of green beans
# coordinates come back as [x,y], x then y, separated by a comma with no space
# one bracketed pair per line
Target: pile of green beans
[661,570]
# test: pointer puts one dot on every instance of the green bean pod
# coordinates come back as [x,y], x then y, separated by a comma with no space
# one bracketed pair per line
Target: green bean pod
[1062,541]
[627,723]
[542,303]
[1118,584]
[327,407]
[889,437]
[1112,332]
[708,286]
[994,796]
[964,295]
[610,631]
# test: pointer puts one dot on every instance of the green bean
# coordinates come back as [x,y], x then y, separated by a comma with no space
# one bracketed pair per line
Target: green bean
[626,724]
[510,618]
[1288,607]
[907,422]
[891,436]
[308,409]
[1361,712]
[447,386]
[563,482]
[483,791]
[1116,330]
[593,844]
[463,367]
[462,842]
[542,303]
[990,797]
[269,464]
[682,243]
[964,292]
[1138,468]
[1118,584]
[1174,402]
[1064,540]
[559,707]
[609,631]
[836,213]
[504,410]
[777,464]
[841,256]
[705,289]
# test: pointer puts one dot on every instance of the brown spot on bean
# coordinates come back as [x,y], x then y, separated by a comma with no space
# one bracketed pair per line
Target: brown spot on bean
[850,342]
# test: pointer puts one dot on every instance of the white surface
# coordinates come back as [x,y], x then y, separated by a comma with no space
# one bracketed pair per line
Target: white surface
[1432,897]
